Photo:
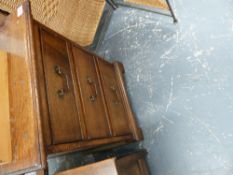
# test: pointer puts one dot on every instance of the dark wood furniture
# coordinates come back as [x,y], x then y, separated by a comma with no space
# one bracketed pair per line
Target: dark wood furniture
[133,164]
[57,96]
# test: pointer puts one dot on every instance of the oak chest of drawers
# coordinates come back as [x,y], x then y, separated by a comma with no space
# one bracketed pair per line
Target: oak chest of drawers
[58,97]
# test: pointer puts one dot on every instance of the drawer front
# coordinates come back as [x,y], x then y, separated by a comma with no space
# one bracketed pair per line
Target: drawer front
[64,119]
[95,115]
[117,112]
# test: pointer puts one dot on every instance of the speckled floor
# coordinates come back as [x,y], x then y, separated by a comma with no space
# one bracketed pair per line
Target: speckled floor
[180,82]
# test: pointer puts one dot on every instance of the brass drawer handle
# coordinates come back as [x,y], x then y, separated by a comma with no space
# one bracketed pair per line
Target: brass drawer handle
[114,89]
[93,85]
[61,92]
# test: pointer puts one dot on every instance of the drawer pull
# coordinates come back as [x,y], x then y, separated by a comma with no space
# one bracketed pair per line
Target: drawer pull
[61,92]
[93,85]
[114,89]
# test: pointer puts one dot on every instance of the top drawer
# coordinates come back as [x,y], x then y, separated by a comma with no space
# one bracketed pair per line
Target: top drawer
[63,111]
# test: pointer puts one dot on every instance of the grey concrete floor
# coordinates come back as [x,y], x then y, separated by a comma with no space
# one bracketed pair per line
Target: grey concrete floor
[180,83]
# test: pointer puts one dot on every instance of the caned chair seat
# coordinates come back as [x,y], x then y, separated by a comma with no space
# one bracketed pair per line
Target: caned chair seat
[75,19]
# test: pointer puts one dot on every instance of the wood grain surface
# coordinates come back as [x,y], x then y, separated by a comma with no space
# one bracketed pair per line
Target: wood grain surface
[5,135]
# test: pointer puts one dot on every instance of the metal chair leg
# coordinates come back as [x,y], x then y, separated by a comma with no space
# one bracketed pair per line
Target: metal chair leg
[112,4]
[172,12]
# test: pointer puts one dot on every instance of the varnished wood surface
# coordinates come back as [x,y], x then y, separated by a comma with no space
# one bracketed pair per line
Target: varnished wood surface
[43,105]
[134,164]
[5,132]
[105,167]
[137,132]
[96,119]
[95,122]
[88,144]
[63,113]
[117,113]
[15,40]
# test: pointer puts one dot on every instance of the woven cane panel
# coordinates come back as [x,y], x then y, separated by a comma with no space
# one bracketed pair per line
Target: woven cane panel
[151,3]
[75,19]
